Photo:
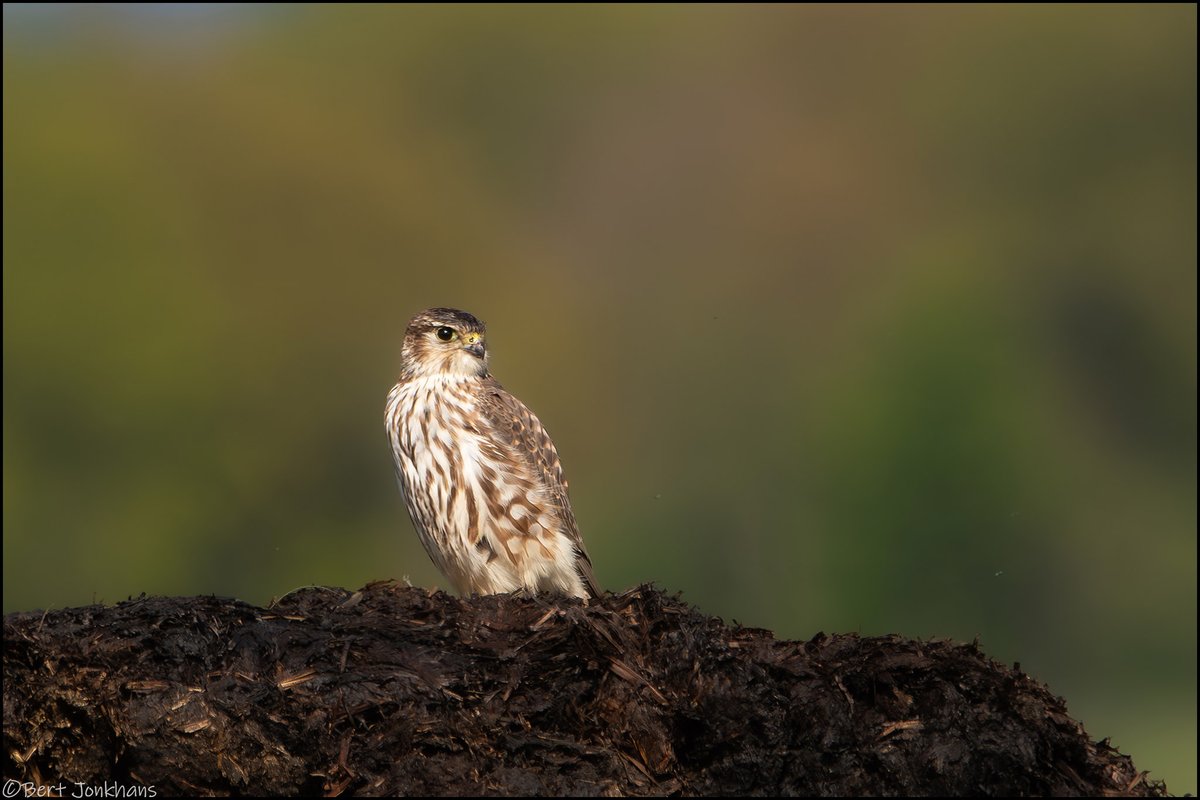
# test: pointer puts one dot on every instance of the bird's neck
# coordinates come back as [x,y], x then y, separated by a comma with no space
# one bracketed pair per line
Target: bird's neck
[440,379]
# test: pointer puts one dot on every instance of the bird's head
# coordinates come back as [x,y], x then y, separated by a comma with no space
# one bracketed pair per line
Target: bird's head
[445,341]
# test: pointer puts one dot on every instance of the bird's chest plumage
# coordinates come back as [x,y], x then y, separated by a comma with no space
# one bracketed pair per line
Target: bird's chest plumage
[481,510]
[438,448]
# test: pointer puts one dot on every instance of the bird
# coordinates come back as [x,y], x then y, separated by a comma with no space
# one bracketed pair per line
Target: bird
[480,476]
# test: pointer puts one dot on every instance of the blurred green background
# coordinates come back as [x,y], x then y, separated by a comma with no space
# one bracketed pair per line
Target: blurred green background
[843,319]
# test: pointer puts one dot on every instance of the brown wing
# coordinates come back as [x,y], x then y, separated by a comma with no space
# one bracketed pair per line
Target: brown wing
[513,423]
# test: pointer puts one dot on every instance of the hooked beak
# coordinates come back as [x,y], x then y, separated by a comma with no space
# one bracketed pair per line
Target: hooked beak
[473,344]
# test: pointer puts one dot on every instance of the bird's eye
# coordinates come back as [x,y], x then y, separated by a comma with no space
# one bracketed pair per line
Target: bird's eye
[445,334]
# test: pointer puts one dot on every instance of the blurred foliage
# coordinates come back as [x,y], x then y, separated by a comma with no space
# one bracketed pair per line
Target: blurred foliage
[876,319]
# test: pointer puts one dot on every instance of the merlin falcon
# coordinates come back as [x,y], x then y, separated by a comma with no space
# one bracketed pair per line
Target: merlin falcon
[479,474]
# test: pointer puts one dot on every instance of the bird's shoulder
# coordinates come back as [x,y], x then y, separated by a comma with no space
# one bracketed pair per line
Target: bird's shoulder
[516,425]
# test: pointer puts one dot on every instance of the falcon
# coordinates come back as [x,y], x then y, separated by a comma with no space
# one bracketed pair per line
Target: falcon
[480,476]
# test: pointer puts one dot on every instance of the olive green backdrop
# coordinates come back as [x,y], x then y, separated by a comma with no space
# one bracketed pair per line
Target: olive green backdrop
[855,319]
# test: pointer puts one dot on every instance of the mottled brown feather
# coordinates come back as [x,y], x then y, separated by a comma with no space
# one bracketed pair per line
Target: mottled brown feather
[515,425]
